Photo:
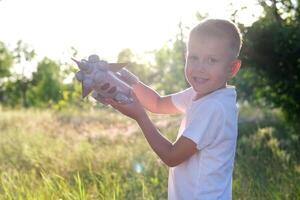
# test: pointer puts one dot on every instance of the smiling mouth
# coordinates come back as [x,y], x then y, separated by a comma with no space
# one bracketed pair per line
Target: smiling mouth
[199,80]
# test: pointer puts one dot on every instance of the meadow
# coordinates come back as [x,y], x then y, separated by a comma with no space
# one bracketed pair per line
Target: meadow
[95,153]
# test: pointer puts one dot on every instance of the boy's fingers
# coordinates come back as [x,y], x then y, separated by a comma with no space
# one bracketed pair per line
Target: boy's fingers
[111,101]
[101,100]
[120,76]
[133,96]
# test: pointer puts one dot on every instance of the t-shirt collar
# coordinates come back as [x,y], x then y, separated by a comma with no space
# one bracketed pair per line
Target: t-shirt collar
[228,90]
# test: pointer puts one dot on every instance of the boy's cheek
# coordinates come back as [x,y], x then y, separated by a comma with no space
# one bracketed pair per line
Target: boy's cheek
[186,73]
[218,76]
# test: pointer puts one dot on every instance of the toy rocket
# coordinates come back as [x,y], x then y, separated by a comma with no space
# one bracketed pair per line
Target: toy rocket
[100,77]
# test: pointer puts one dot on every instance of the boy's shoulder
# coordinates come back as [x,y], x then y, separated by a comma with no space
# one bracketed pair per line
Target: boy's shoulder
[225,97]
[221,96]
[206,108]
[221,102]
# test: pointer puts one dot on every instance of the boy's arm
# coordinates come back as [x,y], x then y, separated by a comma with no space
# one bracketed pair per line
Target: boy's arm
[170,154]
[152,101]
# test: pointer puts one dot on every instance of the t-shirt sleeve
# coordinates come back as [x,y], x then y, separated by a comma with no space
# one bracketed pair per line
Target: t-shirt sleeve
[205,123]
[182,99]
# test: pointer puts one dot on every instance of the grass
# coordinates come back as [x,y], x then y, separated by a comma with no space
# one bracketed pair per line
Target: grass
[99,154]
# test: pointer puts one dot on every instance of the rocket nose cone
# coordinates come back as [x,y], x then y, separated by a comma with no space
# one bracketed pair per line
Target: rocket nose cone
[76,61]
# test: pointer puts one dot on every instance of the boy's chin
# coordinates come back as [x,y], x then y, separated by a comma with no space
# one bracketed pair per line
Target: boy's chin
[201,92]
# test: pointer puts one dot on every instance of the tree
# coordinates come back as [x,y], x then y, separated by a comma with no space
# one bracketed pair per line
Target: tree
[272,49]
[282,11]
[6,61]
[142,70]
[23,54]
[170,61]
[71,95]
[46,84]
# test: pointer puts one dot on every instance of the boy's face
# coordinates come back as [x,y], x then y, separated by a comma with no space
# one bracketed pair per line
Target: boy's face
[209,64]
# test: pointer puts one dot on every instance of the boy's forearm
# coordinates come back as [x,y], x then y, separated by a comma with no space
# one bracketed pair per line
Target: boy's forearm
[147,96]
[161,145]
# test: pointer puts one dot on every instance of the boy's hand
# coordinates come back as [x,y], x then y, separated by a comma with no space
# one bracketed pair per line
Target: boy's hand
[128,77]
[100,98]
[133,110]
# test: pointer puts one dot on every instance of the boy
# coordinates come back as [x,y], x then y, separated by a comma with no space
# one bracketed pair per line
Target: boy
[201,159]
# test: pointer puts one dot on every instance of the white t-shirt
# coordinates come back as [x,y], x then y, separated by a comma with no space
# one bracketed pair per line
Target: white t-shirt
[210,122]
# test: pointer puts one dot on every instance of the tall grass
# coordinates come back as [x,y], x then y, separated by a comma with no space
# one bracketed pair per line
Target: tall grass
[99,154]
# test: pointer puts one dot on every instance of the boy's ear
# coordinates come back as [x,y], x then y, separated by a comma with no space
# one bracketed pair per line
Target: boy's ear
[234,67]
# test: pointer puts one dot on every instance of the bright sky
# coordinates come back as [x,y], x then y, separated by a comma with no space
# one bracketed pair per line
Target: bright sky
[51,27]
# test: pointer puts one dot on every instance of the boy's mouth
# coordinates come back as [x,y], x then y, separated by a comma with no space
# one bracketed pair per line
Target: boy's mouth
[199,80]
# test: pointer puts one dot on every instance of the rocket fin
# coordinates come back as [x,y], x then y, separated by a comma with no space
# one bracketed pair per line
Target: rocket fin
[86,90]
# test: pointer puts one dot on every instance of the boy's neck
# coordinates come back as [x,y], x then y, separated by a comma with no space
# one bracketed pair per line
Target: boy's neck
[199,96]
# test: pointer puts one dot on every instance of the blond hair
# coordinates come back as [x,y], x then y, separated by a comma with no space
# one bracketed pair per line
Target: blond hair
[220,28]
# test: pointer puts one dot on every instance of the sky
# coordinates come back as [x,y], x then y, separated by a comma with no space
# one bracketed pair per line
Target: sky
[52,27]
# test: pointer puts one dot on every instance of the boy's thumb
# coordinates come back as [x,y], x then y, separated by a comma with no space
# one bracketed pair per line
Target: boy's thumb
[133,95]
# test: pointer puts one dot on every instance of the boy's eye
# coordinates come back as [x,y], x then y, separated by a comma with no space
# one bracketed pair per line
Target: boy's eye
[192,57]
[212,60]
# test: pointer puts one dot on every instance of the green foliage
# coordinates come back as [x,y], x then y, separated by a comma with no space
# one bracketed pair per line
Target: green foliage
[261,164]
[170,60]
[6,61]
[14,90]
[143,71]
[23,52]
[99,154]
[281,11]
[265,156]
[52,157]
[248,85]
[71,97]
[273,51]
[46,84]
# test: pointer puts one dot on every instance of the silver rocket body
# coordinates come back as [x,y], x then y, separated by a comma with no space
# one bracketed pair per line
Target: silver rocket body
[100,77]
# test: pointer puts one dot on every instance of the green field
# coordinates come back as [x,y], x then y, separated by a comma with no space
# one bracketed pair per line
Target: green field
[99,154]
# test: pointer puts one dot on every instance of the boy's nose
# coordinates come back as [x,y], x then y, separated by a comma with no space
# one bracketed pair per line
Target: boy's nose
[199,67]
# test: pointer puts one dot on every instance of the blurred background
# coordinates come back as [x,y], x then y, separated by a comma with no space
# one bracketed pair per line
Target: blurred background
[56,145]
